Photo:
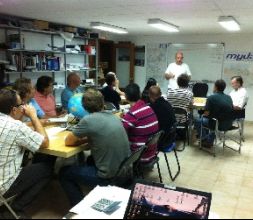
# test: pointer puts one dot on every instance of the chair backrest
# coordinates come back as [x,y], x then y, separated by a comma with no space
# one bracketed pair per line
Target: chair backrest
[200,90]
[129,162]
[168,138]
[181,115]
[109,106]
[154,140]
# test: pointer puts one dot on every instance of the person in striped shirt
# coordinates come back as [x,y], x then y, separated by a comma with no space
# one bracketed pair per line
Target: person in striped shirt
[140,123]
[181,97]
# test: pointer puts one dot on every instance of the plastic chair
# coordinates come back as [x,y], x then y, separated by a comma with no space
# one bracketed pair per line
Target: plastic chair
[183,123]
[129,164]
[200,90]
[166,145]
[5,202]
[222,136]
[154,140]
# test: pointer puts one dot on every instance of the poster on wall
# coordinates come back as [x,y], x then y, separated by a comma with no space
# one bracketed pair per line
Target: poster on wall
[239,64]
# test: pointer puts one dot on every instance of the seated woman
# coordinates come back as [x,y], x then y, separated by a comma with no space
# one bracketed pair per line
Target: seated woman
[44,96]
[26,90]
[110,95]
[116,86]
[145,94]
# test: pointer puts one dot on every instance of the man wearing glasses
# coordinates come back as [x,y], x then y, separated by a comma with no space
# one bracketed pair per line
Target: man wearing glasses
[15,137]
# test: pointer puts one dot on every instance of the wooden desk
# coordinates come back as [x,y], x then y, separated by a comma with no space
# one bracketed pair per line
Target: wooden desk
[58,148]
[199,103]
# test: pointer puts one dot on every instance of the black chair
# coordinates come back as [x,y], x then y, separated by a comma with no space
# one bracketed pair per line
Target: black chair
[183,123]
[154,140]
[128,169]
[166,145]
[200,90]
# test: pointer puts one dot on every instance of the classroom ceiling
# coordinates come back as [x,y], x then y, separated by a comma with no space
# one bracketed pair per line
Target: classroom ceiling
[192,16]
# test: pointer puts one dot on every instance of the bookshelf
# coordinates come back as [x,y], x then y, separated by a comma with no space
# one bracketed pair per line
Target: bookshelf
[26,57]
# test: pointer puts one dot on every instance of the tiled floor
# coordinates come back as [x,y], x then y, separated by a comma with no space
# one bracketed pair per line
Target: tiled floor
[228,176]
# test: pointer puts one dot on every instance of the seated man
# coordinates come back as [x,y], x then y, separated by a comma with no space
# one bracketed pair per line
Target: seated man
[239,96]
[72,88]
[181,97]
[140,122]
[162,109]
[26,91]
[110,95]
[109,147]
[15,137]
[220,107]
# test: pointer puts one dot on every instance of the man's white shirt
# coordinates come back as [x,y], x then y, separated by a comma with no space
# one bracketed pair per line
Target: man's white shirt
[240,97]
[177,70]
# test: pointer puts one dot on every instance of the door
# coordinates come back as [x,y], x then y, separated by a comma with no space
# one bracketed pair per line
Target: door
[124,63]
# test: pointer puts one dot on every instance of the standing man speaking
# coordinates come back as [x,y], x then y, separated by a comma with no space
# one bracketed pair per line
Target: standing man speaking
[176,69]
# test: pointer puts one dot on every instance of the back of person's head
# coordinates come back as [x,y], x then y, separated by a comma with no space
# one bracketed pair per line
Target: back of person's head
[220,85]
[93,101]
[8,100]
[73,78]
[133,93]
[23,87]
[183,81]
[43,82]
[151,82]
[110,79]
[238,79]
[155,93]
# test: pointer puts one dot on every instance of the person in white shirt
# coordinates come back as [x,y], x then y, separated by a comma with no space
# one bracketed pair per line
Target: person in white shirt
[176,69]
[239,94]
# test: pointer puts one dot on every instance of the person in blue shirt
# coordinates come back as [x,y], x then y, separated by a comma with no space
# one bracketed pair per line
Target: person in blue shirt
[26,90]
[72,88]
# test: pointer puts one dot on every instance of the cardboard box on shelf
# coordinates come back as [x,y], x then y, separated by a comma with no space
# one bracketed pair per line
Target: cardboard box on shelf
[41,25]
[70,29]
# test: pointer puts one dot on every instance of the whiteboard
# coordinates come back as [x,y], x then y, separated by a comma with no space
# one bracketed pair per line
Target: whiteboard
[205,60]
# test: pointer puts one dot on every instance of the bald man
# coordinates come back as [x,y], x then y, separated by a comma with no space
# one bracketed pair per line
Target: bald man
[162,108]
[176,69]
[72,88]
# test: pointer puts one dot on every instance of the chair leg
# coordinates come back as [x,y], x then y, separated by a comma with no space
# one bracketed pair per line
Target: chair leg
[159,171]
[4,201]
[168,166]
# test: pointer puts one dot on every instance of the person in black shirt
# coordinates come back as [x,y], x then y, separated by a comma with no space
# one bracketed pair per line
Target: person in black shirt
[162,108]
[145,93]
[110,95]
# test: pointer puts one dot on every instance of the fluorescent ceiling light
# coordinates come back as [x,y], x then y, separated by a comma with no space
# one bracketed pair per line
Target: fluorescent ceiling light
[162,25]
[108,27]
[229,23]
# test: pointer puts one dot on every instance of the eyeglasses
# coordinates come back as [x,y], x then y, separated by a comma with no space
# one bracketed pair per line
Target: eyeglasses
[17,106]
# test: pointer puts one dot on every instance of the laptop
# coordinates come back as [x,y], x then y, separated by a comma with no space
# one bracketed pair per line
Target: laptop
[153,200]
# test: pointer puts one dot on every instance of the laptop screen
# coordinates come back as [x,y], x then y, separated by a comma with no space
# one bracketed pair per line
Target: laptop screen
[158,201]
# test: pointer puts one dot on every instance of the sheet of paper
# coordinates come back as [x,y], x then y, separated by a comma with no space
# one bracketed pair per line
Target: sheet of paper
[59,120]
[52,132]
[84,210]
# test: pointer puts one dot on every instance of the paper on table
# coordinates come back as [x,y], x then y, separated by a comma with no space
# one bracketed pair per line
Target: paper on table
[59,120]
[51,132]
[84,210]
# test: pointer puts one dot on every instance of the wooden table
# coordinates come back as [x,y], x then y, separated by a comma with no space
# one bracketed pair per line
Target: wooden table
[199,103]
[58,148]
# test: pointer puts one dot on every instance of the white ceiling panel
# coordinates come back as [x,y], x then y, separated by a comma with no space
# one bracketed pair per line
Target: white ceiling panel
[193,16]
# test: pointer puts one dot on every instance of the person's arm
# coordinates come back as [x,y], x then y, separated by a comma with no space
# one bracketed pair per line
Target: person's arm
[72,140]
[118,89]
[168,74]
[30,112]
